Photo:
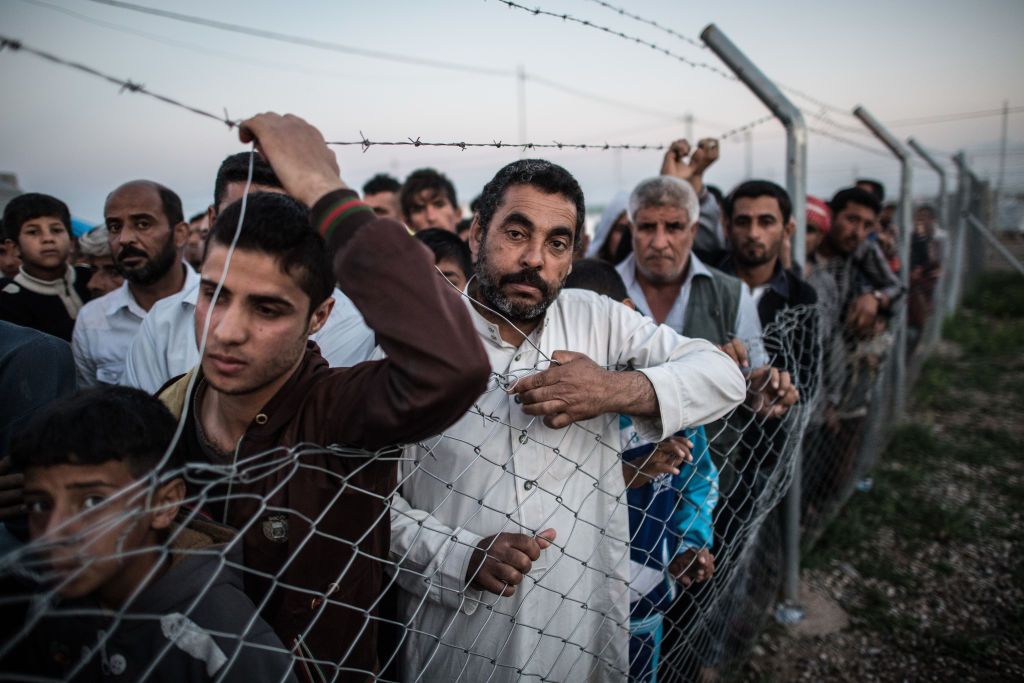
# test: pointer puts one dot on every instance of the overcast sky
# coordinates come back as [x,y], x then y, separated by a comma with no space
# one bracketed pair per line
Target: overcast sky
[77,137]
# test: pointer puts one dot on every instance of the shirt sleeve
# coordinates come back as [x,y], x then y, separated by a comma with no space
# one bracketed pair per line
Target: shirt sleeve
[697,483]
[85,364]
[748,329]
[432,557]
[435,366]
[694,382]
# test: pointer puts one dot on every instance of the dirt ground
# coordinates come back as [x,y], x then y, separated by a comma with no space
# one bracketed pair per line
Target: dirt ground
[922,577]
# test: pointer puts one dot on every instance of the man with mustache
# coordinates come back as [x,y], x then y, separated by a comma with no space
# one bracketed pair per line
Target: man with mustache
[147,231]
[757,222]
[510,537]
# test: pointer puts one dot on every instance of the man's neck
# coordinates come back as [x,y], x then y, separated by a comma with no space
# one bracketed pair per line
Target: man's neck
[136,573]
[827,251]
[511,333]
[661,296]
[171,283]
[755,276]
[226,417]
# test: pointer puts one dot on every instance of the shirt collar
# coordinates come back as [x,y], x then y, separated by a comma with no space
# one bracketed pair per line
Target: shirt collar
[778,282]
[122,297]
[490,332]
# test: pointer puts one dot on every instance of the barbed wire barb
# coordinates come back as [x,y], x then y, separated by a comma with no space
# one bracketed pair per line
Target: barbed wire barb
[537,11]
[651,22]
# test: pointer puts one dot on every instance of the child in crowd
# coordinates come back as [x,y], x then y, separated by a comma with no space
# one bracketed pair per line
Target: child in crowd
[451,254]
[47,293]
[139,591]
[672,493]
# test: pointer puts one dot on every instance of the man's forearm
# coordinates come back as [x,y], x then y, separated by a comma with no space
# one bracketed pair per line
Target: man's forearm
[633,394]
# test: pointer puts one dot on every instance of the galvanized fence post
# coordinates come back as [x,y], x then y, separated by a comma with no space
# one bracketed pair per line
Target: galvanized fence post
[963,201]
[906,221]
[934,326]
[790,116]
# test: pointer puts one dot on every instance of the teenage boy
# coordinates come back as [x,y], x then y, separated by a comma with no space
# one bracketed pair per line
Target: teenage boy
[47,293]
[316,531]
[136,590]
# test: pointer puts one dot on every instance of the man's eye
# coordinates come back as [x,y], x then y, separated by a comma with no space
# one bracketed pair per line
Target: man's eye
[92,501]
[38,507]
[267,311]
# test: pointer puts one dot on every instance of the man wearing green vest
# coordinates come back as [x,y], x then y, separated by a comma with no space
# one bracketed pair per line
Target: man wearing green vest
[670,284]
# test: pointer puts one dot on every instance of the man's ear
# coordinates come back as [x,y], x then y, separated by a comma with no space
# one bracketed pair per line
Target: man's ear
[790,227]
[180,235]
[476,234]
[319,317]
[166,502]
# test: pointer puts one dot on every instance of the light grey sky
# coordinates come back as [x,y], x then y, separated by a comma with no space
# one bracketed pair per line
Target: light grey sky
[77,137]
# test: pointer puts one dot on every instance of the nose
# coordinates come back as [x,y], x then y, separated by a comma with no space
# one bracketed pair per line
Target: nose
[660,238]
[532,255]
[228,324]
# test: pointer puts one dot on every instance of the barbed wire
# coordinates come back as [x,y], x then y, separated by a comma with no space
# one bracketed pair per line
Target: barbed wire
[366,143]
[847,141]
[746,126]
[651,22]
[125,84]
[537,11]
[306,42]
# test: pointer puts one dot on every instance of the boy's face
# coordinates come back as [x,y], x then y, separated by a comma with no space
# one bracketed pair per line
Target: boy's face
[44,244]
[90,522]
[9,260]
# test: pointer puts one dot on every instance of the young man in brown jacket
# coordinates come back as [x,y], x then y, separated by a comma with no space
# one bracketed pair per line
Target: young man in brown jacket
[287,443]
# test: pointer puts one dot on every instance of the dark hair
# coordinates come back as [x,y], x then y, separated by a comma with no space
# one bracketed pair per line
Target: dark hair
[543,175]
[197,217]
[171,204]
[381,182]
[597,276]
[278,225]
[752,189]
[235,169]
[446,244]
[877,188]
[30,205]
[97,425]
[855,195]
[425,179]
[715,192]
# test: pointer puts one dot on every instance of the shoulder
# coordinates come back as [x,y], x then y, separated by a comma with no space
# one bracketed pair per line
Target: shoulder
[93,313]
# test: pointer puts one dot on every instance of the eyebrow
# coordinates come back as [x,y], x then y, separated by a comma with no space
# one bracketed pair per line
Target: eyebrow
[94,484]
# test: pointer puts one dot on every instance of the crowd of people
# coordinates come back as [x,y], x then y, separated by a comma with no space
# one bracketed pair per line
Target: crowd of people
[305,435]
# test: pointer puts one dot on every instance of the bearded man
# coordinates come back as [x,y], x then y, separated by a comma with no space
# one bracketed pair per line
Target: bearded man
[146,230]
[510,539]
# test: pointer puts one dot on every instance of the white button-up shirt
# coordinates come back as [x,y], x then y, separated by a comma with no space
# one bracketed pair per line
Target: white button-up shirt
[165,345]
[748,324]
[104,330]
[500,470]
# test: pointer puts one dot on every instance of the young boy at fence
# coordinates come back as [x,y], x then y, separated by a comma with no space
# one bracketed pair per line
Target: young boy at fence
[138,591]
[672,492]
[451,255]
[47,293]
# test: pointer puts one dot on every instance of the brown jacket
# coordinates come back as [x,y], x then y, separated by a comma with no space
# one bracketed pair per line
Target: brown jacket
[313,511]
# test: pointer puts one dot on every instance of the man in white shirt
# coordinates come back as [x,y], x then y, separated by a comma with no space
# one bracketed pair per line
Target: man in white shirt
[146,230]
[165,345]
[510,536]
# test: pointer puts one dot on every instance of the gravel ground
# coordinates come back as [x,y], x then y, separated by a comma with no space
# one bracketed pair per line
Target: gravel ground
[922,578]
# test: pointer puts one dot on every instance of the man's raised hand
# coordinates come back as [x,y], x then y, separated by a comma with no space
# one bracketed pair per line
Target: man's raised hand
[297,152]
[499,562]
[666,459]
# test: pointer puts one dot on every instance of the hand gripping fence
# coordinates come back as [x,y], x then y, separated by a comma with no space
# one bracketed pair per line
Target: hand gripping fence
[617,592]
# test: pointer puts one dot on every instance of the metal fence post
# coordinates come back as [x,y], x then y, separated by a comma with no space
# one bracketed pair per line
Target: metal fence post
[906,221]
[790,610]
[934,326]
[963,201]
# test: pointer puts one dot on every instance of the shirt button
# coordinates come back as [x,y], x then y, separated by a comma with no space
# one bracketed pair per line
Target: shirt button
[518,356]
[528,484]
[516,398]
